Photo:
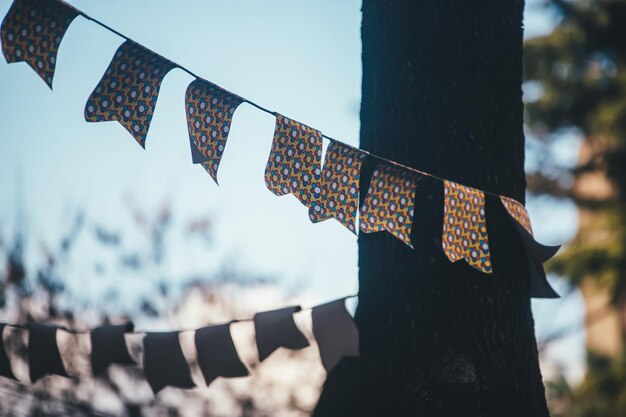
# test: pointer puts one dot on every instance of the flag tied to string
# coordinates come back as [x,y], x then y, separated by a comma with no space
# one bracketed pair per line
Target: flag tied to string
[32,32]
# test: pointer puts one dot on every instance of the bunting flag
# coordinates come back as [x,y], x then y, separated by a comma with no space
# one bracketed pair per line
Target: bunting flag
[389,202]
[294,164]
[108,346]
[217,356]
[44,357]
[32,32]
[537,253]
[210,111]
[335,332]
[277,328]
[464,229]
[340,185]
[164,363]
[129,89]
[5,363]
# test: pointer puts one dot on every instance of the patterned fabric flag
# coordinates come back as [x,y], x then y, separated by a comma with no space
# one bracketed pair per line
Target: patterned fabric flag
[108,346]
[335,332]
[32,32]
[340,186]
[164,363]
[294,164]
[277,328]
[217,355]
[5,363]
[129,89]
[536,252]
[518,212]
[389,202]
[209,114]
[44,357]
[464,228]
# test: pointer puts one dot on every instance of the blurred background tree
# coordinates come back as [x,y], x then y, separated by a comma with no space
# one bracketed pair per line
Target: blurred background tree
[575,86]
[33,288]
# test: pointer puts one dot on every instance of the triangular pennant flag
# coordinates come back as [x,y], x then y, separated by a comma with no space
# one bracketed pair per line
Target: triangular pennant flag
[210,111]
[44,357]
[335,332]
[129,89]
[464,228]
[164,363]
[389,202]
[5,363]
[108,346]
[277,328]
[32,32]
[294,164]
[537,253]
[217,355]
[340,185]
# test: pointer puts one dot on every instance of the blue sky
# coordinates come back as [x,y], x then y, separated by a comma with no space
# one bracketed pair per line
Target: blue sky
[299,58]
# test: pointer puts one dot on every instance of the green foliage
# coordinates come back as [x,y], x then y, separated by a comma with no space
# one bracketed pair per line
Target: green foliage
[579,70]
[602,393]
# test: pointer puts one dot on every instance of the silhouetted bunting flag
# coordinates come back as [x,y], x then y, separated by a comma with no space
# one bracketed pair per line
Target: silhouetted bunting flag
[537,253]
[464,228]
[5,363]
[294,164]
[335,332]
[217,355]
[210,111]
[32,32]
[164,363]
[340,185]
[44,357]
[108,346]
[277,328]
[129,89]
[389,202]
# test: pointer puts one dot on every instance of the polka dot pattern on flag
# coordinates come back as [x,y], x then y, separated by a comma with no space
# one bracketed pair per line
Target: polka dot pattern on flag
[389,202]
[340,186]
[294,164]
[518,212]
[464,227]
[129,89]
[210,111]
[32,32]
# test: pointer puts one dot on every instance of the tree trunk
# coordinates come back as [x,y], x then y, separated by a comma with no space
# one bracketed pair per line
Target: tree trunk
[442,92]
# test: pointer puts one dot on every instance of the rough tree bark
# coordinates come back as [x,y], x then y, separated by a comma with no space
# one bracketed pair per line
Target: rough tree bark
[442,92]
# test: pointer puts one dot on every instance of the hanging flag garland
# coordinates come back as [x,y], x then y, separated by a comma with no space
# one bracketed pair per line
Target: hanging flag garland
[164,363]
[128,91]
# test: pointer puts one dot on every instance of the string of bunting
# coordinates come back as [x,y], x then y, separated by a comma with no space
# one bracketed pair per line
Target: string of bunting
[32,32]
[164,363]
